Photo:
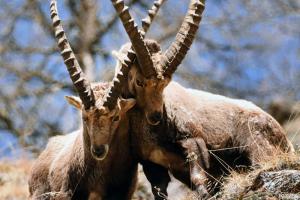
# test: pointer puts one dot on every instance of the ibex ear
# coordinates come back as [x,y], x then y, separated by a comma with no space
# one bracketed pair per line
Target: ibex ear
[126,104]
[74,101]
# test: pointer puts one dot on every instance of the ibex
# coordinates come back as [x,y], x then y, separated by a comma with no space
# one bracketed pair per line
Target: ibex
[171,125]
[94,162]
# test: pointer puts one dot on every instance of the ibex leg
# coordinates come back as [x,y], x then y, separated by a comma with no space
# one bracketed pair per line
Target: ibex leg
[159,178]
[198,158]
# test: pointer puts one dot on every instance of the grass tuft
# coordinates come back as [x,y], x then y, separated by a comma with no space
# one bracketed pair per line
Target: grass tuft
[13,179]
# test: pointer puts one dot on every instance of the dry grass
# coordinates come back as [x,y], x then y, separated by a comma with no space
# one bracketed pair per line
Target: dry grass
[14,183]
[239,185]
[13,179]
[14,176]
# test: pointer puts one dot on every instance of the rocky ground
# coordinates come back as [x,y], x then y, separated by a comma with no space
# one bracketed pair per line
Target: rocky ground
[278,178]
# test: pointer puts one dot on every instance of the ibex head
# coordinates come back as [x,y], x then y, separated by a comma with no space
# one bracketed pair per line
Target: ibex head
[99,121]
[147,90]
[153,69]
[102,109]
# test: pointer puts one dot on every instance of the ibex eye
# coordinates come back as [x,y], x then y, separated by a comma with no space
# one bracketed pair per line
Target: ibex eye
[84,118]
[116,118]
[139,83]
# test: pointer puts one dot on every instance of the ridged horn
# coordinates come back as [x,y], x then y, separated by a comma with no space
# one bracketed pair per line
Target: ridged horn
[184,38]
[147,21]
[119,80]
[78,78]
[121,77]
[136,38]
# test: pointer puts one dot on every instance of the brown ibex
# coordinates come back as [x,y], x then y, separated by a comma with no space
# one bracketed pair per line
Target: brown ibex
[171,125]
[94,162]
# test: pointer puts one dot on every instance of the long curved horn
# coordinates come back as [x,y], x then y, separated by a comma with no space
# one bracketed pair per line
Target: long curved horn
[121,77]
[136,38]
[184,38]
[81,84]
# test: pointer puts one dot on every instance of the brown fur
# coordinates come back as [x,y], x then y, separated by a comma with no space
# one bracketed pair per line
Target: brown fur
[193,124]
[66,169]
[196,123]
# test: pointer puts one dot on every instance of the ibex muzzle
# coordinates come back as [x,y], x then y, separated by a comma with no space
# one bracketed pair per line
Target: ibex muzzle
[99,152]
[153,68]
